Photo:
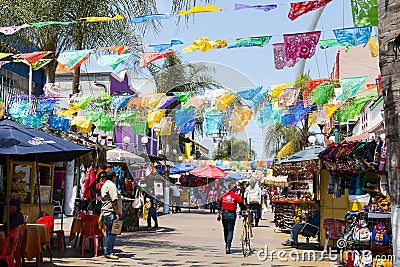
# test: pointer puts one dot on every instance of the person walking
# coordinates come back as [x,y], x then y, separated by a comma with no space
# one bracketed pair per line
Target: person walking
[254,198]
[176,196]
[212,199]
[229,202]
[151,206]
[111,210]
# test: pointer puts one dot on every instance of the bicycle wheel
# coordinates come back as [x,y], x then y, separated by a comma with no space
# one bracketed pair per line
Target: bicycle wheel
[243,239]
[250,235]
[246,240]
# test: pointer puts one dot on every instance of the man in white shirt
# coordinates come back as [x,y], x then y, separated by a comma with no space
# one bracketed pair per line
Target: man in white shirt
[253,196]
[110,209]
[176,196]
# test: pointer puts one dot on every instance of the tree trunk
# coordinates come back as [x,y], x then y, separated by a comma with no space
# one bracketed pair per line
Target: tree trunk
[51,71]
[389,29]
[77,71]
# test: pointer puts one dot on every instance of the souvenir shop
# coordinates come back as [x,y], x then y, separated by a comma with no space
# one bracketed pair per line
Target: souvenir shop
[128,167]
[358,176]
[298,201]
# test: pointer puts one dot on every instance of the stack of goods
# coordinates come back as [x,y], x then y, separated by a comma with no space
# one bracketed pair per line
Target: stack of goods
[367,240]
[296,168]
[360,167]
[283,216]
[287,213]
[300,187]
[18,186]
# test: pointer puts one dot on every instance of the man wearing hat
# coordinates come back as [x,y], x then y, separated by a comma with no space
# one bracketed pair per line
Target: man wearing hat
[16,217]
[110,210]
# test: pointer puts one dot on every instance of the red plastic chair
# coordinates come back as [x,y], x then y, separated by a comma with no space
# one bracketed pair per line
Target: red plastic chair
[90,229]
[10,247]
[20,252]
[49,221]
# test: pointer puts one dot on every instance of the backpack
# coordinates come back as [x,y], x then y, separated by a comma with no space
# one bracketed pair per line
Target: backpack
[362,234]
[379,235]
[254,197]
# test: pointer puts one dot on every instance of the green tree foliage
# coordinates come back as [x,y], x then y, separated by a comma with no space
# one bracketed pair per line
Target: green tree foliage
[278,135]
[234,149]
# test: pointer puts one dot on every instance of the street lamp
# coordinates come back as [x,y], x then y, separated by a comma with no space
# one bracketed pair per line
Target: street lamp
[166,186]
[126,141]
[312,139]
[144,141]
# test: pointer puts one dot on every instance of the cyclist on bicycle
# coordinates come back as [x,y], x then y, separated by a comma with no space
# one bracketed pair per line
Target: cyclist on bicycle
[253,198]
[229,202]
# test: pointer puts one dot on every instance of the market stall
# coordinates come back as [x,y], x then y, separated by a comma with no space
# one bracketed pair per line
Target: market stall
[302,172]
[27,174]
[357,179]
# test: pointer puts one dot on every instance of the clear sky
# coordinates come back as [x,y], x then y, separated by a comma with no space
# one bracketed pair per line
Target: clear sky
[256,63]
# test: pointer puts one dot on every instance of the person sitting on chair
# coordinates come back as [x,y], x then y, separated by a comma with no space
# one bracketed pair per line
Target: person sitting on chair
[296,228]
[16,217]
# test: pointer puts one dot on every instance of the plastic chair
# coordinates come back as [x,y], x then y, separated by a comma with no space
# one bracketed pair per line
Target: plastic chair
[333,228]
[309,230]
[20,252]
[90,229]
[49,222]
[10,247]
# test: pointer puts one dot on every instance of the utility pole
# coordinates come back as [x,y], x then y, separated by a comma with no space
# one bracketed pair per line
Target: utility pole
[251,156]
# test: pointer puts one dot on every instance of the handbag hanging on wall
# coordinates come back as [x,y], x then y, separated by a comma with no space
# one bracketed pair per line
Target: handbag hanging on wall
[371,182]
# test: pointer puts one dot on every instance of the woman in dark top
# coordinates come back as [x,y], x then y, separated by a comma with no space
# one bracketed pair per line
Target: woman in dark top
[16,217]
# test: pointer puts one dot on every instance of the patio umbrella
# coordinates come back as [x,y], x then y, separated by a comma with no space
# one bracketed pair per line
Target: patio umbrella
[119,155]
[182,168]
[24,143]
[234,175]
[209,171]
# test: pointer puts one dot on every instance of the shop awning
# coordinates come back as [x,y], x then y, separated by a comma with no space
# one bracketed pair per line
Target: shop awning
[357,137]
[120,155]
[309,153]
[182,168]
[25,143]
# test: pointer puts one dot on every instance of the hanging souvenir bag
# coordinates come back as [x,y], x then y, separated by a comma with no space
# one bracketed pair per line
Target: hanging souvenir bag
[371,182]
[380,235]
[138,201]
[382,160]
[362,234]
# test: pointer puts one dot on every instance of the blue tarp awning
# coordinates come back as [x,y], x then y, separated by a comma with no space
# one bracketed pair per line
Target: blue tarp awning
[182,168]
[309,153]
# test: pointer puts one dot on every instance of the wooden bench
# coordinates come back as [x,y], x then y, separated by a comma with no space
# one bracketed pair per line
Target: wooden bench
[173,208]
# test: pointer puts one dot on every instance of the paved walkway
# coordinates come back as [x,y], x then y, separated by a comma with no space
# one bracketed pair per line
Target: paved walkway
[187,239]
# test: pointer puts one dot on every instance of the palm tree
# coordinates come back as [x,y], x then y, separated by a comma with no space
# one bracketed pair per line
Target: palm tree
[234,149]
[58,38]
[278,135]
[389,47]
